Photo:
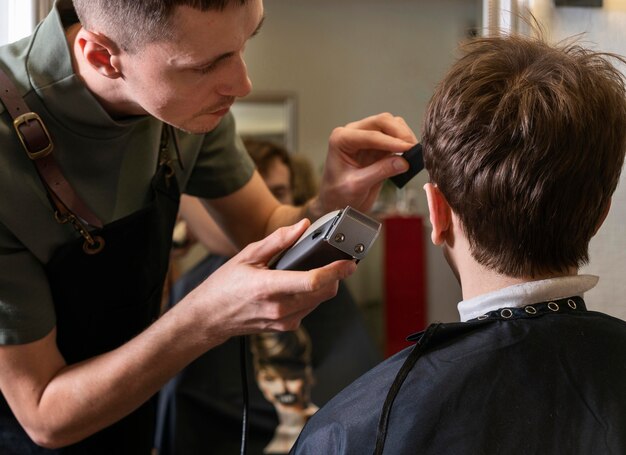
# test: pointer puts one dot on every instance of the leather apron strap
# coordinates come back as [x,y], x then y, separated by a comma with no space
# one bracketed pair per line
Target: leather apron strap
[37,143]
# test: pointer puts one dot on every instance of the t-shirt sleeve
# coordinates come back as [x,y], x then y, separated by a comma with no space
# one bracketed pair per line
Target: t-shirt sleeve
[223,165]
[26,308]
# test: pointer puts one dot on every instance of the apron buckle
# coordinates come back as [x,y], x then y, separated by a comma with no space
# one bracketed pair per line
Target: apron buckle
[92,244]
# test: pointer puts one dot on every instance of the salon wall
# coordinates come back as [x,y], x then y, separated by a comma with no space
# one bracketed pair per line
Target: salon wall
[604,29]
[352,58]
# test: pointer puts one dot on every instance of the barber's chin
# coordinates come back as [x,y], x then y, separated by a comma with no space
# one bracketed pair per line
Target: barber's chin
[201,124]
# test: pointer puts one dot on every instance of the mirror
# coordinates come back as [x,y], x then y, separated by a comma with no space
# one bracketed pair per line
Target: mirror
[268,116]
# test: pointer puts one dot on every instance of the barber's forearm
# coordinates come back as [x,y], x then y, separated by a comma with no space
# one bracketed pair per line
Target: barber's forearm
[287,214]
[84,398]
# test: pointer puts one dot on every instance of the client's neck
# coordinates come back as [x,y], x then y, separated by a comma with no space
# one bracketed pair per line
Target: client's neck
[477,279]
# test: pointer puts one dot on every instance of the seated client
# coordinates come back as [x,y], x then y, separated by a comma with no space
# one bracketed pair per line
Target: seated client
[524,143]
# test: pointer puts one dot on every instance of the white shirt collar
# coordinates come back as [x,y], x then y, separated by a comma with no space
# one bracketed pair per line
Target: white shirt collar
[523,294]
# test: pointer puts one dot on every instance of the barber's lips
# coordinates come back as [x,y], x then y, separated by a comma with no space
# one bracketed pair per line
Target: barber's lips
[286,398]
[221,112]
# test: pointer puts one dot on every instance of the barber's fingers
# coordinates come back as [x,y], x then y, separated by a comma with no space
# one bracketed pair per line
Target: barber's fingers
[406,132]
[287,282]
[376,172]
[388,124]
[282,298]
[352,141]
[292,321]
[286,311]
[279,282]
[264,250]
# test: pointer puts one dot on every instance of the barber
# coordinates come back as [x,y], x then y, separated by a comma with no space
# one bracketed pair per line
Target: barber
[136,97]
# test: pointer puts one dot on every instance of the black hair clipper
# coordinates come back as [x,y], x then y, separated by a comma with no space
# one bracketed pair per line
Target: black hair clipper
[342,234]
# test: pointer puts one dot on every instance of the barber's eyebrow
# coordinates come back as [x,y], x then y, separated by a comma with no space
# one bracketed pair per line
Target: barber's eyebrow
[228,54]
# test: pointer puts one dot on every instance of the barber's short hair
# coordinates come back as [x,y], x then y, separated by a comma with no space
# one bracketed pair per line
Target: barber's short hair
[133,23]
[526,142]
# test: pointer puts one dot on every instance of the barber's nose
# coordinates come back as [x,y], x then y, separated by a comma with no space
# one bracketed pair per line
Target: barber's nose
[238,84]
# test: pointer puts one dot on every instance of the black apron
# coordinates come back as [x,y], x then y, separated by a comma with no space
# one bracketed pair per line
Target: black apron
[102,301]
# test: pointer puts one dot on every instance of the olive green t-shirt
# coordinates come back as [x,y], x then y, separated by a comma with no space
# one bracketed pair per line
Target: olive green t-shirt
[108,162]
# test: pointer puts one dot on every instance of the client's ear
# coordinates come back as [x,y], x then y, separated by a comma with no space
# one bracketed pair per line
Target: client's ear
[440,213]
[101,53]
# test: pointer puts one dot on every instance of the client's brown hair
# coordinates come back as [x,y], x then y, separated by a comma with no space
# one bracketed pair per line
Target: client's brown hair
[526,142]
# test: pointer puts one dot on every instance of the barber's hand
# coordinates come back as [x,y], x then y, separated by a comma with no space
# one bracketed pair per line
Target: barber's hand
[244,296]
[361,156]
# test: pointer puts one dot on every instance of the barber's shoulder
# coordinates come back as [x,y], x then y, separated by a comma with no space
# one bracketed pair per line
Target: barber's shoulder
[224,138]
[15,71]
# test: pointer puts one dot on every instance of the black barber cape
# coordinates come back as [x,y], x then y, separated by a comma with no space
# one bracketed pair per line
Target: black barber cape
[546,379]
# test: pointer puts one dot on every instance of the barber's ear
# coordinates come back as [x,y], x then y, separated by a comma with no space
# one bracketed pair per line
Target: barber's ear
[101,53]
[440,213]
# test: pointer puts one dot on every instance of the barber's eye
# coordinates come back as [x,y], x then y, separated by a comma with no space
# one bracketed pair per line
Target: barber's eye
[206,69]
[213,65]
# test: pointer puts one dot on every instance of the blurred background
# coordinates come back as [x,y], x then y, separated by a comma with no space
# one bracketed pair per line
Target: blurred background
[324,63]
[333,62]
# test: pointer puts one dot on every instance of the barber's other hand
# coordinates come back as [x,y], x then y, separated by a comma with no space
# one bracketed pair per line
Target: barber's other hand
[361,156]
[244,296]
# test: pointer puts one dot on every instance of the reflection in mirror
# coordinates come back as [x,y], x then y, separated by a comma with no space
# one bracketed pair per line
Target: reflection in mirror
[268,117]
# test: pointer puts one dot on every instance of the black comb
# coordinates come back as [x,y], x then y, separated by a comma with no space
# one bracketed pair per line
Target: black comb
[416,163]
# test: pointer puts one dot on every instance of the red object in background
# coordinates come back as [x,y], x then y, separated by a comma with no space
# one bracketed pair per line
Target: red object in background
[405,280]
